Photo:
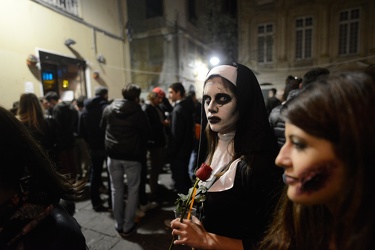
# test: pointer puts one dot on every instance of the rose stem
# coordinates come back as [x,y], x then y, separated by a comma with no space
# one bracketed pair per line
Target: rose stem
[192,202]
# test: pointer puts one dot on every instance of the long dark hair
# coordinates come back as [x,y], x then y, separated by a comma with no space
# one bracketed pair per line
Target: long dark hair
[27,159]
[30,112]
[340,110]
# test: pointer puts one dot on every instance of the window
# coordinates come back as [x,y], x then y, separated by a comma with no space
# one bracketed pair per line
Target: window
[265,43]
[69,6]
[349,32]
[154,8]
[304,29]
[192,16]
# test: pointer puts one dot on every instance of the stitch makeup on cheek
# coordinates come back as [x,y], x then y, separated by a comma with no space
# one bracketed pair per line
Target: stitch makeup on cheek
[312,180]
[315,180]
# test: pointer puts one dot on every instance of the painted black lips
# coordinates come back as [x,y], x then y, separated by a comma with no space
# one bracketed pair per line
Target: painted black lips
[214,119]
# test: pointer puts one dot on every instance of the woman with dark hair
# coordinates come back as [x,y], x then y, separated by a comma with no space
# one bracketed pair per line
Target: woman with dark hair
[329,164]
[244,185]
[41,126]
[30,191]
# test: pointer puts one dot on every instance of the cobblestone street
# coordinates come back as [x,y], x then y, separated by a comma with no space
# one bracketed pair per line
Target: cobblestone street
[152,233]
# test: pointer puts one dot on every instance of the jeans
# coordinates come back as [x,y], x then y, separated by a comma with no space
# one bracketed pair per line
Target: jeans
[124,214]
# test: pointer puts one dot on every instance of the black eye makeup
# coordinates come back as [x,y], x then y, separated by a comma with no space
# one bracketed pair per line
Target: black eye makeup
[221,99]
[206,99]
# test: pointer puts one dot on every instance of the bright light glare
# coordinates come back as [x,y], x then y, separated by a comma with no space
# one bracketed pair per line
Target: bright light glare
[214,60]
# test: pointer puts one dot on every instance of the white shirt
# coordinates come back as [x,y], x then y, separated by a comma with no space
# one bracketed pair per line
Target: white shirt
[222,156]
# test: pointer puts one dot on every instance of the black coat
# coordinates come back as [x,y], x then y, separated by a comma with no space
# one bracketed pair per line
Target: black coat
[182,127]
[66,118]
[158,133]
[126,130]
[276,121]
[278,125]
[90,122]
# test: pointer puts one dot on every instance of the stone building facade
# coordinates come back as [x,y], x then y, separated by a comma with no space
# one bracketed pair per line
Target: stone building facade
[166,46]
[278,38]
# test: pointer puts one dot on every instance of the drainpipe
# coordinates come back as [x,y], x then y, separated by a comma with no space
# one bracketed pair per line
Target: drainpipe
[94,42]
[177,49]
[121,19]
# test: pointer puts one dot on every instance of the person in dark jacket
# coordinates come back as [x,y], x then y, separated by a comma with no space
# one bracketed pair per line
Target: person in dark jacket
[181,137]
[292,88]
[126,134]
[157,143]
[82,151]
[94,136]
[30,191]
[66,119]
[272,100]
[193,162]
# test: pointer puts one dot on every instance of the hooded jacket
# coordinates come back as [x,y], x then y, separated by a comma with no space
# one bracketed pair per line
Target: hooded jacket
[126,130]
[276,121]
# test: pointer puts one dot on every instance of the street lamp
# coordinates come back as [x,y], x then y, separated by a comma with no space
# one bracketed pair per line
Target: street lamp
[214,61]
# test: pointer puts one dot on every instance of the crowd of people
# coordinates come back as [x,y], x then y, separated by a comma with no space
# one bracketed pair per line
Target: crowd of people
[292,174]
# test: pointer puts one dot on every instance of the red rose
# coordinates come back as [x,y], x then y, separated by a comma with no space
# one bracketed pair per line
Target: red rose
[204,172]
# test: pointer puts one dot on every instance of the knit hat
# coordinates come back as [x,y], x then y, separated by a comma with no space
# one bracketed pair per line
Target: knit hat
[100,91]
[159,91]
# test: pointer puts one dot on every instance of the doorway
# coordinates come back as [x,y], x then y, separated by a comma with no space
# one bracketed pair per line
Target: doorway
[64,75]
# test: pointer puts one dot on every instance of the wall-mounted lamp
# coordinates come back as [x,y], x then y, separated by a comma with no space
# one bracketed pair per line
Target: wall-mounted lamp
[96,75]
[100,58]
[32,60]
[69,42]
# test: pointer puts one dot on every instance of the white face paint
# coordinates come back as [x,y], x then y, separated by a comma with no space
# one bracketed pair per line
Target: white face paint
[220,106]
